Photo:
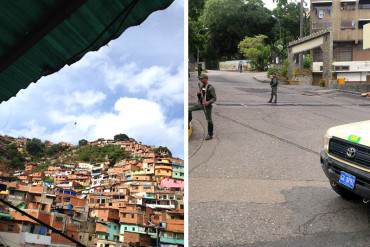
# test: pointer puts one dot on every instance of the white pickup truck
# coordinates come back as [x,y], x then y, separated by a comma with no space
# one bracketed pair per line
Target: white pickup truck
[346,159]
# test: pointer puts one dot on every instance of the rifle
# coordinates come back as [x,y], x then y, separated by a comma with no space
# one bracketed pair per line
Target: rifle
[200,98]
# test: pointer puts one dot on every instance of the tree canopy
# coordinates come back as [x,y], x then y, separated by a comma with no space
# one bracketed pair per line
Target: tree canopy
[111,153]
[82,142]
[216,27]
[13,157]
[121,137]
[163,151]
[35,147]
[256,50]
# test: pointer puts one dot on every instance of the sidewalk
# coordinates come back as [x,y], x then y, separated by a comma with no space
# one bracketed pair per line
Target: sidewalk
[261,77]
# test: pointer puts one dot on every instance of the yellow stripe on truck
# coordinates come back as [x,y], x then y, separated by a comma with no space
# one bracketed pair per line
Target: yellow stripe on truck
[350,164]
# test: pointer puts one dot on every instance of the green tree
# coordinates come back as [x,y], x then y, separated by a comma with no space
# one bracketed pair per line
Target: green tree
[111,153]
[82,142]
[48,179]
[14,157]
[121,137]
[42,166]
[229,21]
[53,149]
[35,147]
[164,151]
[256,50]
[286,27]
[197,38]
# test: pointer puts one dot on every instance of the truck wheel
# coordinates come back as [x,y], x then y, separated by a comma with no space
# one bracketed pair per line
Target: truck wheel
[344,193]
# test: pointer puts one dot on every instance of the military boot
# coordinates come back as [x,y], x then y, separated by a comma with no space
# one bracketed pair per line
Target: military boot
[210,131]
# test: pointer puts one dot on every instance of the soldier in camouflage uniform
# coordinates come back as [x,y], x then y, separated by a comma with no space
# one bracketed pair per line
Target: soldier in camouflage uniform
[206,97]
[274,84]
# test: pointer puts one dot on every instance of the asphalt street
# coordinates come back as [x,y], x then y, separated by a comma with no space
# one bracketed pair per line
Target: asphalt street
[259,181]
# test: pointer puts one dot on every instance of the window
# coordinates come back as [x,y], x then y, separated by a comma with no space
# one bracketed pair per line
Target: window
[361,23]
[364,4]
[321,14]
[342,52]
[348,5]
[58,219]
[341,68]
[347,24]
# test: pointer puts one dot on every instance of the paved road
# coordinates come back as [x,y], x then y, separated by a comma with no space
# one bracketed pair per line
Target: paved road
[259,181]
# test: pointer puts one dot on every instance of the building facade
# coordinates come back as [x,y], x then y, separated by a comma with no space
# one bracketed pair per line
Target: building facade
[345,19]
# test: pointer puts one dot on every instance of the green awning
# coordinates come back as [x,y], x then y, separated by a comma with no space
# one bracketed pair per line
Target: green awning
[39,37]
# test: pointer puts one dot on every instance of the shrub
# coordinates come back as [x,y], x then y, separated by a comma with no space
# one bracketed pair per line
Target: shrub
[273,70]
[256,50]
[307,62]
[111,153]
[281,70]
[322,83]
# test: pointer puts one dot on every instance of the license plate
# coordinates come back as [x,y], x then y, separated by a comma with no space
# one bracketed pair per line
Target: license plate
[347,179]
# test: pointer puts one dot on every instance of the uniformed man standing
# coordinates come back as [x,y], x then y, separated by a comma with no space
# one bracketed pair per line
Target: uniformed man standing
[274,84]
[206,97]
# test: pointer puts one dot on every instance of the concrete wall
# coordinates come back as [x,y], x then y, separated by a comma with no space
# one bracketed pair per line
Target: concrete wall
[353,86]
[11,239]
[233,65]
[359,54]
[337,16]
[354,66]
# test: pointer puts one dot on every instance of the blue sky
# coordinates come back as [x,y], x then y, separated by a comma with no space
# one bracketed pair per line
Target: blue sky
[134,85]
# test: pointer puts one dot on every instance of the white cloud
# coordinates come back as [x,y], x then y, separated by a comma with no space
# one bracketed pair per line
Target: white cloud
[141,119]
[85,99]
[155,83]
[31,129]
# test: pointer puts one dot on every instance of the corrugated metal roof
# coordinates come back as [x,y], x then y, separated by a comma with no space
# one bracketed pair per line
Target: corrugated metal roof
[39,37]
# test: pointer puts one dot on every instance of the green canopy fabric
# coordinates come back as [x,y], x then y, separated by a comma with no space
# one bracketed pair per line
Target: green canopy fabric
[39,37]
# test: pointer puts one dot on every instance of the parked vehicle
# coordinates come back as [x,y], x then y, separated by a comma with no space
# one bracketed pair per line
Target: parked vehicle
[346,160]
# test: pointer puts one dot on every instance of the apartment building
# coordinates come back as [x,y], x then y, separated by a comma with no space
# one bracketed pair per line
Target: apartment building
[345,19]
[135,202]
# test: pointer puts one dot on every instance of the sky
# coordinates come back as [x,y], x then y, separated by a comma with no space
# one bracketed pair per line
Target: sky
[134,85]
[269,4]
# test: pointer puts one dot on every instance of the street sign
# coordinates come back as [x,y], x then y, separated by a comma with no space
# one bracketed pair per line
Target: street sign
[366,36]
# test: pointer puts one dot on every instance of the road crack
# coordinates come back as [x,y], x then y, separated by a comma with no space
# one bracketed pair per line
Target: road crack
[304,228]
[281,139]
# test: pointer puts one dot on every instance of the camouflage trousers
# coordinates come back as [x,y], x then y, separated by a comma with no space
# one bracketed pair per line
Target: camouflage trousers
[208,114]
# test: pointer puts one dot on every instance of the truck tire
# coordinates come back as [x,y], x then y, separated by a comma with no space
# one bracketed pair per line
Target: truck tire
[344,193]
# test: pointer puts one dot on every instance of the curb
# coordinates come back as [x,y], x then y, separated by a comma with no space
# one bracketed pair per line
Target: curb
[261,80]
[348,91]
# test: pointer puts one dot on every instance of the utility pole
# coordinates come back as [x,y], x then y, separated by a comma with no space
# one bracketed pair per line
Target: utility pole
[301,33]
